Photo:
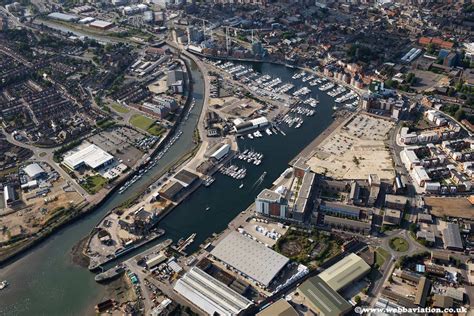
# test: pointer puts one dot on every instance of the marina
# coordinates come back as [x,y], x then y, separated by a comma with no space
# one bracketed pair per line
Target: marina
[234,171]
[251,156]
[151,163]
[58,274]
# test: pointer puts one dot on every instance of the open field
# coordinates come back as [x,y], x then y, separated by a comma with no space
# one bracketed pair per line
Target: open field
[119,108]
[147,124]
[355,150]
[93,184]
[140,121]
[156,130]
[455,207]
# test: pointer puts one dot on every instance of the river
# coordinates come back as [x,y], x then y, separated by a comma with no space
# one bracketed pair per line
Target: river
[44,281]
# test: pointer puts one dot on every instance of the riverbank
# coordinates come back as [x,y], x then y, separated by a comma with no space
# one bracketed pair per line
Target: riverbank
[51,285]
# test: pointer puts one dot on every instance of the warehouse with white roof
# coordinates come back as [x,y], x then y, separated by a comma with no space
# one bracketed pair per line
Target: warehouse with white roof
[34,171]
[250,257]
[221,152]
[209,294]
[91,156]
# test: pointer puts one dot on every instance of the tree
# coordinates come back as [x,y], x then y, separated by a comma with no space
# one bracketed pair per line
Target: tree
[413,227]
[459,114]
[430,49]
[410,78]
[357,299]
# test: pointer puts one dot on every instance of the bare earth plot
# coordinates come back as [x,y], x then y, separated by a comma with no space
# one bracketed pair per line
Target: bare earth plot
[355,150]
[456,207]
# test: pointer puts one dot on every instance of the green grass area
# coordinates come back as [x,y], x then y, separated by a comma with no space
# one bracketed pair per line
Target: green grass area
[147,124]
[399,244]
[93,184]
[142,122]
[120,108]
[381,255]
[42,154]
[156,130]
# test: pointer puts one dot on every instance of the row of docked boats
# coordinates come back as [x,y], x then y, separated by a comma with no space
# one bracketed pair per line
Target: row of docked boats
[251,156]
[150,163]
[274,87]
[234,171]
[302,111]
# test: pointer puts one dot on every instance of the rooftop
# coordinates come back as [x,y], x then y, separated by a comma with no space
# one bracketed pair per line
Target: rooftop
[279,308]
[92,155]
[452,236]
[323,299]
[33,170]
[250,257]
[422,291]
[209,294]
[269,195]
[345,271]
[186,177]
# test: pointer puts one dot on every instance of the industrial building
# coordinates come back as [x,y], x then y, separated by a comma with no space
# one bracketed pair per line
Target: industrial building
[9,195]
[242,127]
[154,261]
[186,178]
[422,291]
[279,308]
[34,171]
[63,17]
[455,294]
[172,190]
[91,156]
[322,299]
[209,294]
[249,257]
[101,25]
[345,272]
[221,152]
[452,237]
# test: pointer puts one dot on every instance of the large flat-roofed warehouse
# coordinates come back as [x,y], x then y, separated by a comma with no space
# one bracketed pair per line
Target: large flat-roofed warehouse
[250,257]
[209,294]
[34,171]
[171,190]
[345,271]
[452,237]
[322,299]
[91,156]
[279,308]
[185,177]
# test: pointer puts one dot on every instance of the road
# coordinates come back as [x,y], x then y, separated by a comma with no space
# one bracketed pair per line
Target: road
[46,155]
